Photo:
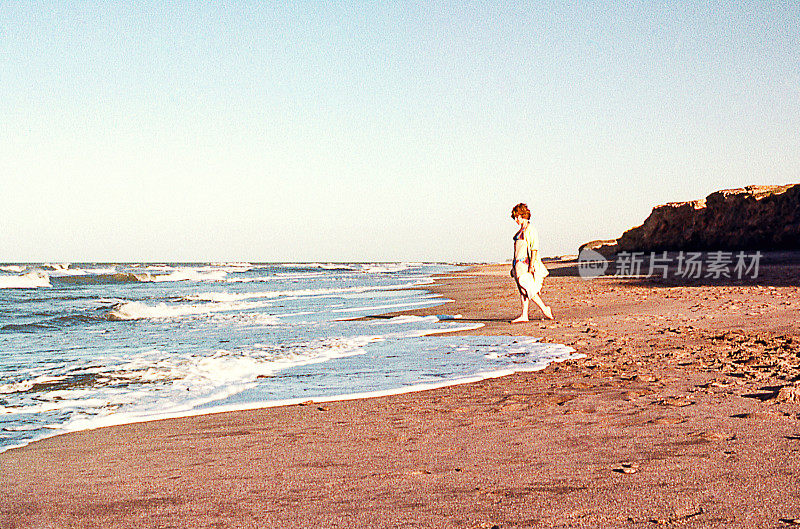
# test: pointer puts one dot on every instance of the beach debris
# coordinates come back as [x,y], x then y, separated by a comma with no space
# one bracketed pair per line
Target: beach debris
[790,521]
[631,395]
[792,437]
[712,436]
[788,394]
[720,384]
[667,420]
[675,401]
[306,403]
[677,517]
[626,468]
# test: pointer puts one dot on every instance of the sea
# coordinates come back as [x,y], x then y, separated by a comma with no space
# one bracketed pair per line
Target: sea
[87,345]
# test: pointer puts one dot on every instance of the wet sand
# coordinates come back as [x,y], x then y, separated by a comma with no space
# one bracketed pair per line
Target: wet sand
[685,412]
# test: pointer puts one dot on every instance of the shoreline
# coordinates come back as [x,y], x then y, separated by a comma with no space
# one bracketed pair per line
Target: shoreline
[304,401]
[686,391]
[113,420]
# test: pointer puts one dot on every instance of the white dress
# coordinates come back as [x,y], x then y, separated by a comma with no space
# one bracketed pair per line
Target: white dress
[526,251]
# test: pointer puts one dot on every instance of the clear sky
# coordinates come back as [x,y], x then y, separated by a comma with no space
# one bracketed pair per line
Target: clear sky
[339,131]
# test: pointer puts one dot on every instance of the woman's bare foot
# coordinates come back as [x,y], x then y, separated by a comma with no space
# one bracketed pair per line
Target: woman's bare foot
[519,320]
[548,313]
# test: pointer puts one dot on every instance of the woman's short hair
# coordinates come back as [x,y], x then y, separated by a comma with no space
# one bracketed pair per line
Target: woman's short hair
[521,210]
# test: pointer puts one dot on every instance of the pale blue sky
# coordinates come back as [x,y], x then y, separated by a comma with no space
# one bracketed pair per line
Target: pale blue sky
[331,131]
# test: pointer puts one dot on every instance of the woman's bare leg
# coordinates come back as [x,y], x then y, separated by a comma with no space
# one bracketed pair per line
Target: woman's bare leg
[524,315]
[547,311]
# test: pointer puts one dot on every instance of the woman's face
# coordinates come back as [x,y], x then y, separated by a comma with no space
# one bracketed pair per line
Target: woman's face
[519,219]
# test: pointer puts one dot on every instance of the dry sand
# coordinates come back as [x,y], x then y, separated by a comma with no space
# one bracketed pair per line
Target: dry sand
[684,413]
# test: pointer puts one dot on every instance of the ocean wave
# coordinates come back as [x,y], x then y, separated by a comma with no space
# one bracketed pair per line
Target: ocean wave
[417,319]
[29,280]
[215,268]
[135,310]
[13,268]
[56,266]
[321,266]
[320,292]
[50,324]
[50,383]
[294,276]
[24,428]
[56,405]
[368,268]
[96,279]
[233,268]
[424,302]
[249,319]
[185,274]
[111,276]
[65,272]
[152,376]
[234,264]
[383,268]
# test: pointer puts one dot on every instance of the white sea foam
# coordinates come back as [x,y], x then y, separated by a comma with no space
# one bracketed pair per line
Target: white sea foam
[294,276]
[13,268]
[135,310]
[405,319]
[55,405]
[384,268]
[22,428]
[27,385]
[56,266]
[29,280]
[417,319]
[236,266]
[67,272]
[190,380]
[228,268]
[254,319]
[222,297]
[322,266]
[229,296]
[396,306]
[183,274]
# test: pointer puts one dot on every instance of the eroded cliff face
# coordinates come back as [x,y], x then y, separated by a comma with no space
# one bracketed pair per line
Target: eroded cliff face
[750,218]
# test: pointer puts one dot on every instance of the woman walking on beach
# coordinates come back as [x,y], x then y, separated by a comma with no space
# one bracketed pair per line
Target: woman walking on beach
[527,268]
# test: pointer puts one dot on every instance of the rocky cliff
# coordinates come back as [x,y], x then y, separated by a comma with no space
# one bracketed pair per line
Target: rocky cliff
[750,218]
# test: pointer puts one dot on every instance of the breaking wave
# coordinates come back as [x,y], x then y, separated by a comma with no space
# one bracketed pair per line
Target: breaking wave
[135,310]
[29,280]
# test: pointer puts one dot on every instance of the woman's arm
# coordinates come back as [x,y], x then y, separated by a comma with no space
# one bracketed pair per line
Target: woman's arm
[532,240]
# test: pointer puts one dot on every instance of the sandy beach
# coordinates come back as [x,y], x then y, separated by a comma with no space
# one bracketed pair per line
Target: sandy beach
[685,412]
